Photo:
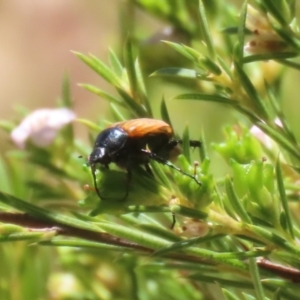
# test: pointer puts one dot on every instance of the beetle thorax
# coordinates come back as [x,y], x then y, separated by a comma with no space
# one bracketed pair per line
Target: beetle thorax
[107,146]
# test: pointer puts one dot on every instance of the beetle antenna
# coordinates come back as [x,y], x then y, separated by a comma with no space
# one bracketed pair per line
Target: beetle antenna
[169,164]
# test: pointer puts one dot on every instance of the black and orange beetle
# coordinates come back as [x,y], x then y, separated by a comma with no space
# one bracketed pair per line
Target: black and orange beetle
[135,142]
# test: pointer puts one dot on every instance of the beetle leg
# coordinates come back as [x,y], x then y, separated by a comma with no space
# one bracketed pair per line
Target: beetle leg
[174,143]
[193,143]
[163,161]
[93,168]
[128,179]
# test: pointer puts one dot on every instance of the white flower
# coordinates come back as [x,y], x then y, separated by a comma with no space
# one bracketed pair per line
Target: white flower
[41,126]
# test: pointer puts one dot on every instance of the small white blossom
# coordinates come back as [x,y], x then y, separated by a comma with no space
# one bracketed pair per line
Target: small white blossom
[41,126]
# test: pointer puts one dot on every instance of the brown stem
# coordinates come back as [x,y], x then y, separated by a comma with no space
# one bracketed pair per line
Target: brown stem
[289,273]
[28,221]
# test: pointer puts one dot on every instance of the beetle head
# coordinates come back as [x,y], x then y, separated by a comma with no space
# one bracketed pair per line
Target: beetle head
[99,155]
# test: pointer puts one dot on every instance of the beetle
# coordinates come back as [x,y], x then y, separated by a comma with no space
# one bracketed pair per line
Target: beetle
[135,142]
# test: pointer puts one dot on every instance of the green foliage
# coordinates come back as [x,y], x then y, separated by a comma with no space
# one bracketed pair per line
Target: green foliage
[236,234]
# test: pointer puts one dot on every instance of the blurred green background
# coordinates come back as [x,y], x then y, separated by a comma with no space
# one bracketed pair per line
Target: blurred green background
[36,39]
